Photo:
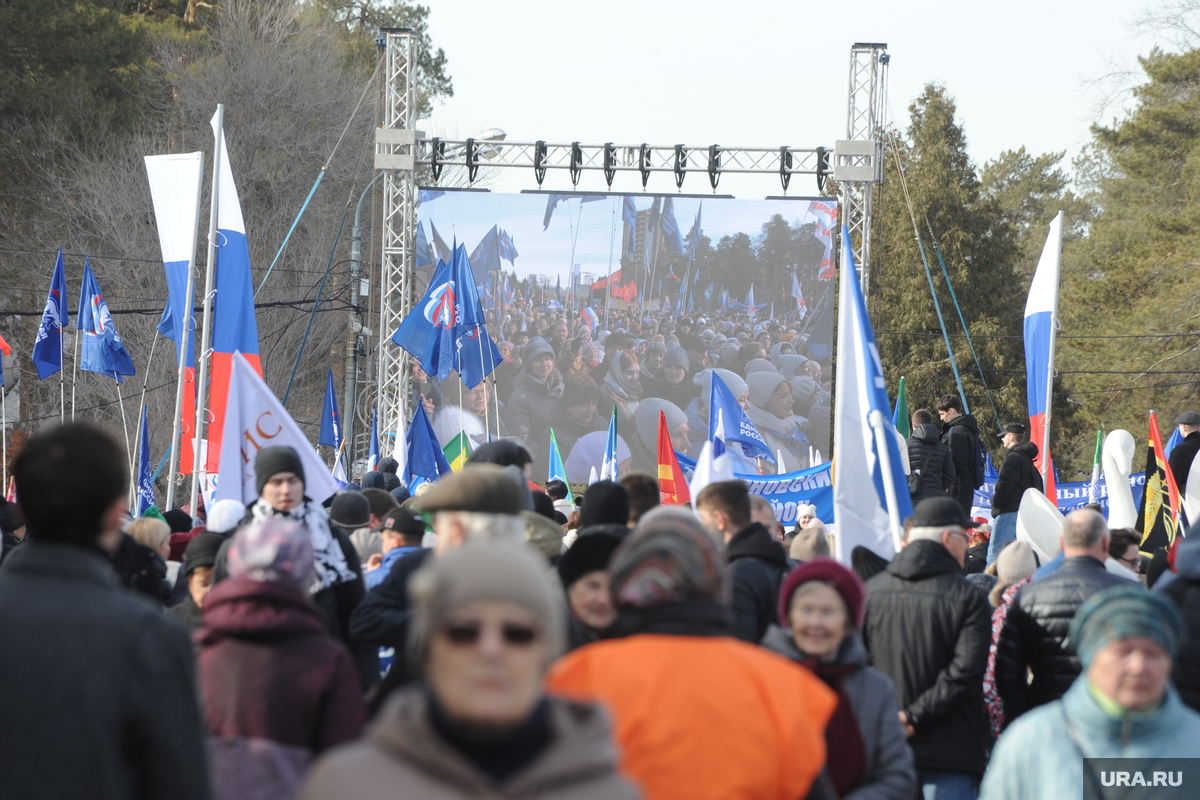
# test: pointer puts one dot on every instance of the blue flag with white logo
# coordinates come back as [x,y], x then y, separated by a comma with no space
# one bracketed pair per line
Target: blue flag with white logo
[331,424]
[426,461]
[145,475]
[672,238]
[608,468]
[102,349]
[373,452]
[449,309]
[477,356]
[738,427]
[629,217]
[48,347]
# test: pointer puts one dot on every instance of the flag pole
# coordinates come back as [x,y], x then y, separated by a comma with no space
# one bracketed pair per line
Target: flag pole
[187,325]
[205,355]
[137,455]
[74,367]
[124,423]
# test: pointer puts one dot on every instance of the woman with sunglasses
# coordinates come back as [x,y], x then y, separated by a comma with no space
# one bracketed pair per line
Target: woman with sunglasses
[486,625]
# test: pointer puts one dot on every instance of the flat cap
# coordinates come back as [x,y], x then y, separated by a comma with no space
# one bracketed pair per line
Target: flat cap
[1013,427]
[482,488]
[1188,418]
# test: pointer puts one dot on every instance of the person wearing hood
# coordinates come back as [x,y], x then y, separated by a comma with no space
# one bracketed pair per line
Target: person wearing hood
[674,380]
[536,394]
[583,572]
[1014,568]
[960,433]
[1122,706]
[771,413]
[929,459]
[485,626]
[653,361]
[927,629]
[622,387]
[277,689]
[698,714]
[645,443]
[588,455]
[757,563]
[820,612]
[1181,590]
[1017,474]
[576,416]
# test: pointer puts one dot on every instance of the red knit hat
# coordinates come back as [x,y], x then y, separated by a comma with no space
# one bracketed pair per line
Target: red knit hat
[824,569]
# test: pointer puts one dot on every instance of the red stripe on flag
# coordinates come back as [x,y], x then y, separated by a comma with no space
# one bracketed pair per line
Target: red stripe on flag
[221,365]
[1037,435]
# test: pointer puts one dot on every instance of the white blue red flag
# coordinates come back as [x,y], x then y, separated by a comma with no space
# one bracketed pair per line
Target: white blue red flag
[1041,322]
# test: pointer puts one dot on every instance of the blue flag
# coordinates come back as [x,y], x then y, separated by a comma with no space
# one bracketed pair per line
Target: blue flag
[331,424]
[48,347]
[553,200]
[1175,439]
[629,217]
[477,356]
[424,253]
[102,349]
[485,258]
[708,293]
[738,427]
[508,250]
[145,476]
[441,250]
[694,239]
[556,471]
[449,309]
[670,227]
[426,461]
[373,452]
[608,468]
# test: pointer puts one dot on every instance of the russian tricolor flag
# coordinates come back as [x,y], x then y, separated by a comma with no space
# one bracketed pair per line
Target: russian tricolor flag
[175,182]
[234,328]
[1041,322]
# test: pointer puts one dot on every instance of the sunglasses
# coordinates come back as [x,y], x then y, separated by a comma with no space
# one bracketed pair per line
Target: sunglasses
[467,634]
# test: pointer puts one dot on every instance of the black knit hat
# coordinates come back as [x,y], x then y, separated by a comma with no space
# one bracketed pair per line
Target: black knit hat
[604,503]
[274,460]
[202,551]
[350,511]
[589,553]
[178,520]
[10,517]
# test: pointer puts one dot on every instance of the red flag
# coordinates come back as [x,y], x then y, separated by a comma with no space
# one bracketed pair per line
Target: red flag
[672,486]
[4,347]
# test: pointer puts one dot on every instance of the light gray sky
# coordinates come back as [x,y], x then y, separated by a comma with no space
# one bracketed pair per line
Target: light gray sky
[767,72]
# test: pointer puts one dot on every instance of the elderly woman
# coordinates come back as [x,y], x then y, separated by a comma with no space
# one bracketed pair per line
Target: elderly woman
[820,611]
[699,715]
[583,571]
[1014,568]
[674,381]
[652,362]
[485,626]
[644,445]
[622,387]
[536,393]
[771,413]
[277,688]
[1123,705]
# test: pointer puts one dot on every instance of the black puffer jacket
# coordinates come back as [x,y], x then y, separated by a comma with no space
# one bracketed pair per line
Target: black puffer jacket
[960,438]
[1035,632]
[1181,459]
[757,564]
[929,630]
[938,474]
[1017,474]
[1185,591]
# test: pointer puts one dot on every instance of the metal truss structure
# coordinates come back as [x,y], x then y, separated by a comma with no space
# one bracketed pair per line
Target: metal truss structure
[858,162]
[401,151]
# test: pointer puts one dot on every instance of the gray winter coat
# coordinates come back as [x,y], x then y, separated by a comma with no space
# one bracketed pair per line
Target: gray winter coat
[937,475]
[891,774]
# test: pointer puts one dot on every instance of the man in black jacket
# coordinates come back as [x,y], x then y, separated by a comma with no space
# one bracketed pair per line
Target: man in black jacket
[1184,590]
[99,698]
[928,629]
[928,456]
[1184,454]
[757,563]
[1017,474]
[1034,637]
[960,433]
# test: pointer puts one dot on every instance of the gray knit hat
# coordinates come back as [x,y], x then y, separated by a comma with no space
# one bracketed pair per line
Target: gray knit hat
[482,571]
[762,384]
[647,419]
[731,379]
[676,356]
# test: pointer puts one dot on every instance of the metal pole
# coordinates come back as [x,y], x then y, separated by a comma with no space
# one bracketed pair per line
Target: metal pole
[188,325]
[353,326]
[205,334]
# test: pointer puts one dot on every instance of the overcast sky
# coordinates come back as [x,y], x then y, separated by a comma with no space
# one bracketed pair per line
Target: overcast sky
[767,72]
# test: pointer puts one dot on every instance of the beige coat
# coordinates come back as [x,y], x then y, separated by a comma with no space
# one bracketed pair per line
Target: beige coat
[402,757]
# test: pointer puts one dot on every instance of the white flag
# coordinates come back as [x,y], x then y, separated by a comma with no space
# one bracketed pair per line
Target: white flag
[254,419]
[400,444]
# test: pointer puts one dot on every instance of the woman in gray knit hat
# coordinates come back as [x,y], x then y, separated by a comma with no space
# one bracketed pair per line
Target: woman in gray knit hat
[486,625]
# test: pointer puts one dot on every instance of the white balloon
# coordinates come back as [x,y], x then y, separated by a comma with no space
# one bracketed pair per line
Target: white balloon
[1117,464]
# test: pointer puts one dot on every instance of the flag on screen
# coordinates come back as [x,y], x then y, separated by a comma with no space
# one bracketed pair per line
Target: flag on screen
[457,451]
[1158,516]
[175,182]
[1094,490]
[145,475]
[1041,313]
[608,468]
[234,327]
[866,448]
[373,447]
[424,253]
[590,318]
[425,195]
[592,477]
[102,349]
[901,419]
[824,216]
[672,486]
[508,250]
[48,347]
[553,200]
[629,217]
[801,306]
[722,406]
[671,236]
[694,239]
[750,309]
[331,425]
[426,461]
[441,250]
[485,258]
[555,470]
[254,419]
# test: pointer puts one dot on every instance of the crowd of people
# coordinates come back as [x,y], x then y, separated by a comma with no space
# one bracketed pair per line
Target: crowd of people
[569,377]
[487,637]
